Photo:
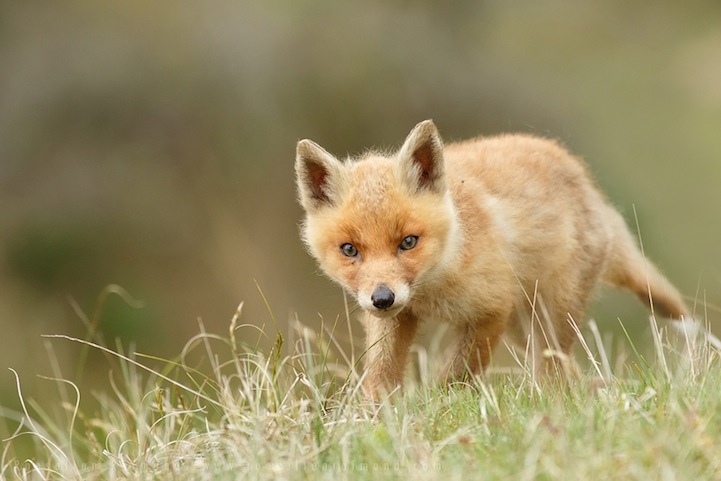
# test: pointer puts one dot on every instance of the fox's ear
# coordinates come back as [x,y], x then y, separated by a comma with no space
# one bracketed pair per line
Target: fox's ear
[318,175]
[422,158]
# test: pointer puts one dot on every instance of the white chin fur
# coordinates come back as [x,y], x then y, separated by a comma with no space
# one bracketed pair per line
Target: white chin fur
[385,313]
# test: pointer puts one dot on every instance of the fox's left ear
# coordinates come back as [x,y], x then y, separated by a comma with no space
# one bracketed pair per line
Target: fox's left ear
[319,176]
[421,157]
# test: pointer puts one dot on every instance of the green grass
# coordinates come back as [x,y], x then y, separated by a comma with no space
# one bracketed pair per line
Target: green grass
[296,412]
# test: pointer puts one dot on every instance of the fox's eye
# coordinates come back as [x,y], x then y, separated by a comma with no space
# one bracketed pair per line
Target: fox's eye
[349,250]
[408,243]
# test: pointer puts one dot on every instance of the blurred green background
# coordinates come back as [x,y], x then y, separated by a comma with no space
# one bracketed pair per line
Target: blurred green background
[151,145]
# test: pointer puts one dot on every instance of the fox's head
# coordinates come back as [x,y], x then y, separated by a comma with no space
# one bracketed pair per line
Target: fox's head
[378,225]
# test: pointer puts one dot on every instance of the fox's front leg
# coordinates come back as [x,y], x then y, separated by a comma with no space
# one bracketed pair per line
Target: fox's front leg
[388,341]
[475,346]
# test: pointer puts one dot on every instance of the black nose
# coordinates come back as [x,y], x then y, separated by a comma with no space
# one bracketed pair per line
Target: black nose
[383,297]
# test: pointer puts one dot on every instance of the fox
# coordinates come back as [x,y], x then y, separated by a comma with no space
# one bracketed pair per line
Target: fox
[501,237]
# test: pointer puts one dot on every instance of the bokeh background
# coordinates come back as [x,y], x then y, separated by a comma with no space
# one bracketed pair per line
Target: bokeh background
[151,145]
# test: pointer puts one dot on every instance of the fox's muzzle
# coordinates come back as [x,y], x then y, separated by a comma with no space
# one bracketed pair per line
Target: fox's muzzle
[382,297]
[384,301]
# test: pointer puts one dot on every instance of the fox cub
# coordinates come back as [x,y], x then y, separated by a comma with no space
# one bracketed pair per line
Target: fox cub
[499,236]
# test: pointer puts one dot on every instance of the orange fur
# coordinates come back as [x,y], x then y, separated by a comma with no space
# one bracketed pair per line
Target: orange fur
[497,236]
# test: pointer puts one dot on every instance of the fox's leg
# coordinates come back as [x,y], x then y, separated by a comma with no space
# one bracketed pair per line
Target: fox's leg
[555,337]
[474,347]
[388,342]
[553,351]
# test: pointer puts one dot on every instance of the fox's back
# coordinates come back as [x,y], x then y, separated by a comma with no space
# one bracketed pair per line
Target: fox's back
[517,166]
[545,209]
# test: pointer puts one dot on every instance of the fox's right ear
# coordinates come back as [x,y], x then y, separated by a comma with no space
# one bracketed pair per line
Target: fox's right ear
[318,175]
[421,157]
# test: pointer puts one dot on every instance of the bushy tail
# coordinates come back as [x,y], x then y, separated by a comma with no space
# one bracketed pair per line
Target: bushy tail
[627,268]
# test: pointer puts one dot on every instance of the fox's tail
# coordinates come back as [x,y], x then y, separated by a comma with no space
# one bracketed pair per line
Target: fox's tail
[627,268]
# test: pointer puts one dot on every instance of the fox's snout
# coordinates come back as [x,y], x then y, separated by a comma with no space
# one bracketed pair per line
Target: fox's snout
[382,297]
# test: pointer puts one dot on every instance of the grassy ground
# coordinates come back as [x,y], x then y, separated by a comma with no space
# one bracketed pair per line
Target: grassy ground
[271,415]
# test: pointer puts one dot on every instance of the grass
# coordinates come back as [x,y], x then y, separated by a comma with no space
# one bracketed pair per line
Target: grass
[296,412]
